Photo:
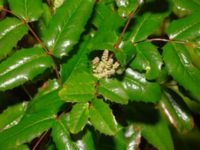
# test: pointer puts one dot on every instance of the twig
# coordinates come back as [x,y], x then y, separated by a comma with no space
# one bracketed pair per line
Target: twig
[27,92]
[126,25]
[40,139]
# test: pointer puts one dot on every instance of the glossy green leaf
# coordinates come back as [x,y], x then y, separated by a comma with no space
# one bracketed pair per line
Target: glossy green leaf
[187,29]
[108,23]
[176,111]
[185,7]
[125,53]
[128,138]
[78,117]
[48,87]
[76,62]
[158,135]
[125,7]
[12,115]
[179,65]
[147,59]
[195,55]
[145,25]
[11,31]
[40,114]
[44,19]
[113,90]
[23,66]
[76,89]
[29,10]
[87,141]
[67,25]
[61,135]
[139,89]
[102,118]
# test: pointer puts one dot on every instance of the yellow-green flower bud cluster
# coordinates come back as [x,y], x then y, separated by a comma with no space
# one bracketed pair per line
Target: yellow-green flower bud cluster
[57,3]
[104,67]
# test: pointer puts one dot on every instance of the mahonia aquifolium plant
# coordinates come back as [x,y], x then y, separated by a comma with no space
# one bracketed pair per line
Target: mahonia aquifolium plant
[105,66]
[140,92]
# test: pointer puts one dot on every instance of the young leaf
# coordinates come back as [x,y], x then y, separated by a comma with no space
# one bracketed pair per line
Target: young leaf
[39,117]
[102,118]
[145,25]
[78,117]
[29,10]
[139,89]
[176,111]
[113,90]
[179,65]
[23,66]
[8,28]
[148,59]
[61,135]
[12,115]
[186,29]
[158,135]
[66,26]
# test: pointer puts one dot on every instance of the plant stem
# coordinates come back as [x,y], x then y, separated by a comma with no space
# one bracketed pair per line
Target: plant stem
[126,26]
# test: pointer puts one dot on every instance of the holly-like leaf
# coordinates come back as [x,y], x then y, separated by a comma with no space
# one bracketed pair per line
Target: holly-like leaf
[113,90]
[125,53]
[176,111]
[78,117]
[145,25]
[158,135]
[179,65]
[185,7]
[79,85]
[87,141]
[40,115]
[61,135]
[66,26]
[12,115]
[139,89]
[11,31]
[125,7]
[128,138]
[23,66]
[148,59]
[102,118]
[108,23]
[186,29]
[78,88]
[29,10]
